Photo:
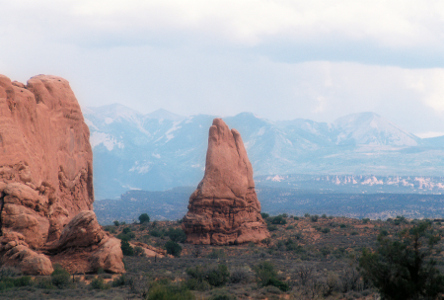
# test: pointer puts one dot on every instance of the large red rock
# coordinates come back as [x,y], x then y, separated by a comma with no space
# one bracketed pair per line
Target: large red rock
[46,174]
[224,208]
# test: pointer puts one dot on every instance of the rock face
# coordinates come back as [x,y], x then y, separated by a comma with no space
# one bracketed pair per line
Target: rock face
[224,208]
[45,169]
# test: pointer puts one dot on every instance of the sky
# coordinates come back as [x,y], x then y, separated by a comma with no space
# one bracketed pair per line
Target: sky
[280,60]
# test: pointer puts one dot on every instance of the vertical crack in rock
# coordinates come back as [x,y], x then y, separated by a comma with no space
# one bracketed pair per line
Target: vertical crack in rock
[2,204]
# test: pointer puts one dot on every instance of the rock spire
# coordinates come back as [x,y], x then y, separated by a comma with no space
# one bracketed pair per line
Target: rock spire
[224,208]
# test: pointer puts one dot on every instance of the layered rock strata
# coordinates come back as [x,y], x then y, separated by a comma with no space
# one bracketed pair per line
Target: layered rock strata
[46,179]
[224,208]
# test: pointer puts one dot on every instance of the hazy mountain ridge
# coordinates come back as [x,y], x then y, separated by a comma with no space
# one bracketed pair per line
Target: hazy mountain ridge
[162,150]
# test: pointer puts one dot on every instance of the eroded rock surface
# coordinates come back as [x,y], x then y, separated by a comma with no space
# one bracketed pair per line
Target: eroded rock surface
[224,208]
[45,165]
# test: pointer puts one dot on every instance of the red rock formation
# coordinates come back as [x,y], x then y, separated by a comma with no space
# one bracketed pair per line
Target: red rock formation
[224,208]
[45,161]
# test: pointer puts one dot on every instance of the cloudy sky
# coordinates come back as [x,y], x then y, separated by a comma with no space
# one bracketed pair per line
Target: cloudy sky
[314,59]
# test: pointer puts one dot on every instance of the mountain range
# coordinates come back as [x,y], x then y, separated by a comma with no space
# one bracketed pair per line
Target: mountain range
[162,150]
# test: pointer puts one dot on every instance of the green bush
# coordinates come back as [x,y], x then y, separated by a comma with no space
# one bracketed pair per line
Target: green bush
[325,230]
[223,296]
[8,282]
[290,245]
[267,275]
[168,291]
[314,218]
[144,218]
[264,215]
[98,284]
[156,233]
[197,285]
[126,236]
[177,235]
[126,230]
[403,267]
[116,223]
[271,227]
[214,276]
[173,248]
[218,276]
[138,251]
[119,281]
[44,283]
[217,253]
[60,278]
[126,248]
[279,220]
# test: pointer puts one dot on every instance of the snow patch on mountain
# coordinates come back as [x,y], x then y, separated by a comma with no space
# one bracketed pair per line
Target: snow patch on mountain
[107,140]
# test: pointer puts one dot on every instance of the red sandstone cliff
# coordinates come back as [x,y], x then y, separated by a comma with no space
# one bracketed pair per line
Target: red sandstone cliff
[46,177]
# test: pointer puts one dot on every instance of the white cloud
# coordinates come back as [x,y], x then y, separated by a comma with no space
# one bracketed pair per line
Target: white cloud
[278,59]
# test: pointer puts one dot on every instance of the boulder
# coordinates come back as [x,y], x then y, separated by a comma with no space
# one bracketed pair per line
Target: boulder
[224,208]
[46,174]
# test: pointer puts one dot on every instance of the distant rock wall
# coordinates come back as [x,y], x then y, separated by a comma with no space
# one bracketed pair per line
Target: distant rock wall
[46,176]
[224,208]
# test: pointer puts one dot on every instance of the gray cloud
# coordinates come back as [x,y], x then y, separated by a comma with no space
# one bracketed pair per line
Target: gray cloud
[277,59]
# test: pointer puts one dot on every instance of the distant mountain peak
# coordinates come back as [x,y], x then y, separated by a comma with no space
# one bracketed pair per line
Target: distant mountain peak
[369,128]
[163,114]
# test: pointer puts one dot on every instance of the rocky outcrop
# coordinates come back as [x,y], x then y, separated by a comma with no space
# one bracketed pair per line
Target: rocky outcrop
[45,167]
[224,208]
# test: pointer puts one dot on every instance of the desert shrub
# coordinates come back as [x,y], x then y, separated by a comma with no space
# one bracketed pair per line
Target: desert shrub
[126,235]
[307,215]
[264,215]
[218,276]
[7,271]
[267,275]
[44,283]
[399,220]
[213,275]
[325,230]
[290,245]
[342,225]
[271,227]
[365,220]
[168,291]
[144,218]
[324,216]
[239,275]
[278,220]
[217,253]
[403,267]
[98,284]
[197,285]
[138,251]
[354,233]
[280,245]
[289,227]
[11,282]
[173,248]
[314,218]
[60,278]
[177,235]
[126,248]
[6,283]
[119,281]
[156,232]
[223,296]
[296,218]
[116,223]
